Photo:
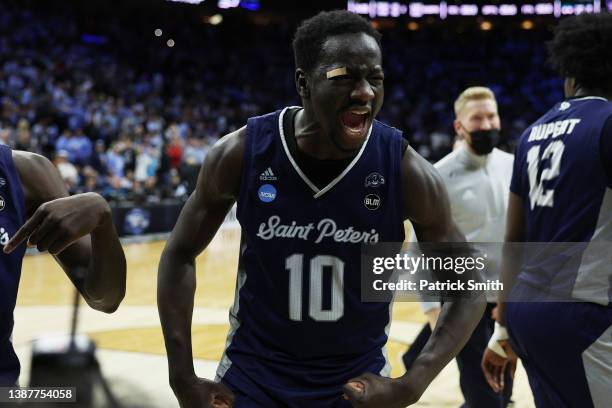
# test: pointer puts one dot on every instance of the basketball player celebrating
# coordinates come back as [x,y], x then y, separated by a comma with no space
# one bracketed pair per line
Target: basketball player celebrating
[77,230]
[312,184]
[561,191]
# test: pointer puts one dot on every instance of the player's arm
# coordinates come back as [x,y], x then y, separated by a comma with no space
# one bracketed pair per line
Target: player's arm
[499,354]
[77,230]
[216,190]
[431,216]
[512,255]
[427,206]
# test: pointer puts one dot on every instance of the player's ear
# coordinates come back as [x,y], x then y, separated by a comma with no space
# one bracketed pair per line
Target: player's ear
[570,87]
[301,83]
[457,126]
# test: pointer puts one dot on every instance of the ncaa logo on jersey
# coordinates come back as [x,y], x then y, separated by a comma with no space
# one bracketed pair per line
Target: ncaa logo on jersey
[267,193]
[374,180]
[564,106]
[2,203]
[372,201]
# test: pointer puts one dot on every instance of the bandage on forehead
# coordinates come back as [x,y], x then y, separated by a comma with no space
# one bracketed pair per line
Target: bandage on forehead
[336,72]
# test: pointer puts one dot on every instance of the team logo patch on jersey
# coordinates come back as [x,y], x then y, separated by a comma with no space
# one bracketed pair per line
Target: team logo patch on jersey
[372,201]
[268,175]
[564,106]
[1,203]
[2,181]
[374,180]
[267,193]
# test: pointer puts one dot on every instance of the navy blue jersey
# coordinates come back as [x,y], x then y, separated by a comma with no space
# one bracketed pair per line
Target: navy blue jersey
[12,215]
[299,330]
[563,174]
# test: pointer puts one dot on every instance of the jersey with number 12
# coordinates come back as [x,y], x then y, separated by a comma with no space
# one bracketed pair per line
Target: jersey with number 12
[298,326]
[563,177]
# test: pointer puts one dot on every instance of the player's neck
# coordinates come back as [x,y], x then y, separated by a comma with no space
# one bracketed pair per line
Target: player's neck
[312,139]
[583,92]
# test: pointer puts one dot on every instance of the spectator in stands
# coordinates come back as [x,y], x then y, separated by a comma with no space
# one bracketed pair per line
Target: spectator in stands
[174,149]
[67,170]
[139,92]
[82,147]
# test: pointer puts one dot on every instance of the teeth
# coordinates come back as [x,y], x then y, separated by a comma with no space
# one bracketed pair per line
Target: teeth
[359,112]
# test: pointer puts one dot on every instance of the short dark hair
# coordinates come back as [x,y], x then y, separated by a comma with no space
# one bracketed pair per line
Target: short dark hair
[582,49]
[313,32]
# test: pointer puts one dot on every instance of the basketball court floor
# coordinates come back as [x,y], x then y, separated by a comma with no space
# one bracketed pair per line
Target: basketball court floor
[130,342]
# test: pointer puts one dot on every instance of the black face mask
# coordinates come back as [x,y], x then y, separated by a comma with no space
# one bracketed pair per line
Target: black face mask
[483,141]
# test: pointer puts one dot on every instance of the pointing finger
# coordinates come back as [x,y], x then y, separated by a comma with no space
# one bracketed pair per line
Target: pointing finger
[24,232]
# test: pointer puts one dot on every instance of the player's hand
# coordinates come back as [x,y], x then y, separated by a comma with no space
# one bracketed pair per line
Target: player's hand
[57,224]
[202,393]
[373,391]
[494,365]
[494,313]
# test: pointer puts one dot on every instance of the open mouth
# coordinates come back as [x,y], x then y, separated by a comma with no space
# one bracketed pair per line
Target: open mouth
[354,123]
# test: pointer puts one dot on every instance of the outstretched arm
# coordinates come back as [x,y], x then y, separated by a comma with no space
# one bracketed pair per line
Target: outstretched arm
[77,230]
[216,191]
[426,205]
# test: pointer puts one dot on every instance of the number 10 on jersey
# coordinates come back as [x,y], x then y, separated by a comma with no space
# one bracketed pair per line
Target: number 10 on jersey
[295,265]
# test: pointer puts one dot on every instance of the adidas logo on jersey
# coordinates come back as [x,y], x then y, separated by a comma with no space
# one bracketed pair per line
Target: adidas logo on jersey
[268,175]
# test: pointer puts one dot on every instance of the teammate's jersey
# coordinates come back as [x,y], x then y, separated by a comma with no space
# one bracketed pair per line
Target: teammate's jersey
[299,330]
[566,193]
[12,214]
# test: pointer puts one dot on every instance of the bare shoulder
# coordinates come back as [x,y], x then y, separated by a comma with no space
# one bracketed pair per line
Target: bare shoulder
[40,179]
[424,195]
[222,169]
[231,146]
[415,169]
[30,162]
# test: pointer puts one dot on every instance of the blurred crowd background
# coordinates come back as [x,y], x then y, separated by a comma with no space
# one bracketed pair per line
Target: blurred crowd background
[131,112]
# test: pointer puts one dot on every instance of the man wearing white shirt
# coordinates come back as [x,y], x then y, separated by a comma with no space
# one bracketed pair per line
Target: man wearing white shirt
[477,176]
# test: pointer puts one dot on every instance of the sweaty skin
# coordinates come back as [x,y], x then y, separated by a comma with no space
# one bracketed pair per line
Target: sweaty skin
[77,230]
[319,132]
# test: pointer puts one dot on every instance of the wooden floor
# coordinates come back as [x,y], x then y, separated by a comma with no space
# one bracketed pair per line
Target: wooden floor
[133,332]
